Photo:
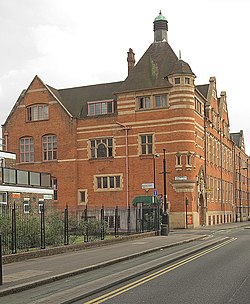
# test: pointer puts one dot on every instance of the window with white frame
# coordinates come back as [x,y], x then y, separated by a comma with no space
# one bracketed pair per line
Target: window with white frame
[26,150]
[54,185]
[146,144]
[37,112]
[108,183]
[160,101]
[144,102]
[101,147]
[26,205]
[49,147]
[101,107]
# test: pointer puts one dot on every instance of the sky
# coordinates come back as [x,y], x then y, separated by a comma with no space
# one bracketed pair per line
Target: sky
[70,43]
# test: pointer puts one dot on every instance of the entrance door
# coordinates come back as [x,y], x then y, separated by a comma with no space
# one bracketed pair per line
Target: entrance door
[202,211]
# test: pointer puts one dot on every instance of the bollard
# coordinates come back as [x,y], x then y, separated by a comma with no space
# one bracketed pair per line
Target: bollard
[1,262]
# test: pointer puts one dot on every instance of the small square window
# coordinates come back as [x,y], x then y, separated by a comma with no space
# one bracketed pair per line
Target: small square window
[177,80]
[3,198]
[82,196]
[187,80]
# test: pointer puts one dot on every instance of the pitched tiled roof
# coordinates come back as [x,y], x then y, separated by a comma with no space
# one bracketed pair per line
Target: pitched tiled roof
[203,89]
[237,138]
[75,99]
[152,69]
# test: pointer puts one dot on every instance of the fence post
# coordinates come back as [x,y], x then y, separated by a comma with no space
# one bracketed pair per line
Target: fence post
[42,228]
[86,235]
[1,262]
[128,222]
[116,221]
[13,229]
[66,226]
[102,223]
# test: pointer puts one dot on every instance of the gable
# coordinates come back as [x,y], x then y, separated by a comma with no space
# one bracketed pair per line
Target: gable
[223,107]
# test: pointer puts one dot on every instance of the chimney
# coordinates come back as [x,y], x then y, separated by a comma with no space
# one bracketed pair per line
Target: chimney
[130,60]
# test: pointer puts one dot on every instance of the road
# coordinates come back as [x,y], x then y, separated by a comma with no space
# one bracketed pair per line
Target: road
[218,275]
[209,270]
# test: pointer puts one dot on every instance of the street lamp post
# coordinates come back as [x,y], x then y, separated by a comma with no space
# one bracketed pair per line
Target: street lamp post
[155,195]
[186,212]
[164,226]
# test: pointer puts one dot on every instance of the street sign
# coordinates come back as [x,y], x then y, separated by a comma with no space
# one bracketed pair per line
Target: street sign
[147,186]
[47,196]
[180,178]
[155,192]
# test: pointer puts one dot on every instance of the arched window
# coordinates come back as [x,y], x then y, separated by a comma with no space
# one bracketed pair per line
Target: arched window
[188,159]
[178,163]
[37,112]
[101,147]
[101,150]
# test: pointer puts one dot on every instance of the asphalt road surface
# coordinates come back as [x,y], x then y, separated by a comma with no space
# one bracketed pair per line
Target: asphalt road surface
[217,275]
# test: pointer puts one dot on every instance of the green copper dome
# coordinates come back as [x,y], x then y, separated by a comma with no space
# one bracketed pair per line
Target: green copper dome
[160,17]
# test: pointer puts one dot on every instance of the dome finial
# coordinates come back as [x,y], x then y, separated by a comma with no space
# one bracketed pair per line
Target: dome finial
[160,28]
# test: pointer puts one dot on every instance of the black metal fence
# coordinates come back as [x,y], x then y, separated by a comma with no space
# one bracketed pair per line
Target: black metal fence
[24,231]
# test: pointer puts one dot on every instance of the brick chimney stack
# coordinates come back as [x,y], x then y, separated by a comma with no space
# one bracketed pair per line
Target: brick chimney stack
[131,60]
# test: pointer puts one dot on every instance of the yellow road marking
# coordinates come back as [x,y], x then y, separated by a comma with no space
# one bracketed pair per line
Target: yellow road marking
[156,274]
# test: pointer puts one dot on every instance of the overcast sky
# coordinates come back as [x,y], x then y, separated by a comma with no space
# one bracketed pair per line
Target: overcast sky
[70,43]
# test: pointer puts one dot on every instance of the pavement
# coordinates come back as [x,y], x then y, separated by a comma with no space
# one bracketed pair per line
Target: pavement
[18,276]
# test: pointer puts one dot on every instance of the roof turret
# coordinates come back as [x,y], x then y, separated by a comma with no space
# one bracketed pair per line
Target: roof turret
[160,28]
[181,67]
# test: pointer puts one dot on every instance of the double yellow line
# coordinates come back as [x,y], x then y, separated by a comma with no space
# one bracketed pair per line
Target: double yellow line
[156,274]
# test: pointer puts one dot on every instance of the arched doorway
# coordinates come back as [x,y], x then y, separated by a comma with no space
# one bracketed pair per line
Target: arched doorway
[202,211]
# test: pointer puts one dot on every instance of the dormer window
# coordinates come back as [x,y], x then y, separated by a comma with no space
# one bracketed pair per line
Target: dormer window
[101,107]
[37,112]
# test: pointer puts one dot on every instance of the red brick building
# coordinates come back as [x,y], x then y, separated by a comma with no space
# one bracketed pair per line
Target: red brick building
[101,143]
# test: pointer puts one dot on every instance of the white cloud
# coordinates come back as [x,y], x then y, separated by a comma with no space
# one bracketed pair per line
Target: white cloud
[73,43]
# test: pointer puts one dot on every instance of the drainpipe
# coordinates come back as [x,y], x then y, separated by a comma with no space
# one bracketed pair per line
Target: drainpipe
[126,129]
[221,177]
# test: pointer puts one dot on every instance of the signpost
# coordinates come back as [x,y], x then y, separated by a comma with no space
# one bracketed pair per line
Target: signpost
[1,263]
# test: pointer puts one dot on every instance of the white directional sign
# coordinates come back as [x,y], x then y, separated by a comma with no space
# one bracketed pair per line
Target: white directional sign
[147,186]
